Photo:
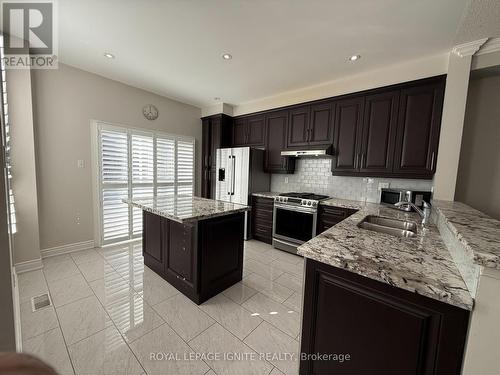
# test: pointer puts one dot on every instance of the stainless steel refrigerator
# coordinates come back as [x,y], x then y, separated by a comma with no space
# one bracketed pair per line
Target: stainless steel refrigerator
[240,172]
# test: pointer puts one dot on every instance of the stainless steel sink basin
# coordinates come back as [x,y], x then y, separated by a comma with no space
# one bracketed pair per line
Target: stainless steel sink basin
[399,228]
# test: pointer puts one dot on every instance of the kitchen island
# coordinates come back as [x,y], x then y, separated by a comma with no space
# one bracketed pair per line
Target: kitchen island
[195,244]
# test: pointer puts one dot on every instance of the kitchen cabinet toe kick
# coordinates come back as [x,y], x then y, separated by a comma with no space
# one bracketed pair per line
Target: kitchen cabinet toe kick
[200,259]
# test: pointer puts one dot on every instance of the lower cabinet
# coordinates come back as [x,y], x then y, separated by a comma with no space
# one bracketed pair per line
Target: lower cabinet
[262,219]
[199,259]
[382,329]
[328,216]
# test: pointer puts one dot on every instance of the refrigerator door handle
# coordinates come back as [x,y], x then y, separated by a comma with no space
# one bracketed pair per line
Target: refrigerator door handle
[232,175]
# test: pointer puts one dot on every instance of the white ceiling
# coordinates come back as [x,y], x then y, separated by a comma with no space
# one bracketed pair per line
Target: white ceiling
[174,47]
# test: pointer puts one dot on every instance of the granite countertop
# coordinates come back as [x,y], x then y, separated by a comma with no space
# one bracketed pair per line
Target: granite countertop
[186,208]
[478,232]
[266,194]
[420,265]
[337,202]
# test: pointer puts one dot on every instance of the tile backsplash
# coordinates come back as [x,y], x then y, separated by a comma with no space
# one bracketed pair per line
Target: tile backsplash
[314,175]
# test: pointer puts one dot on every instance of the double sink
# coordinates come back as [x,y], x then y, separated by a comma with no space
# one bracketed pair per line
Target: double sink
[395,227]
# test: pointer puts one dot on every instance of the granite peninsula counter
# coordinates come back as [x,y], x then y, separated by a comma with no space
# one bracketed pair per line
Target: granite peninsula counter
[195,244]
[421,265]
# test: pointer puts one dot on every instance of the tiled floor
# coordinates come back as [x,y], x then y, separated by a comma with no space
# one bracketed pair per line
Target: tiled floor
[113,315]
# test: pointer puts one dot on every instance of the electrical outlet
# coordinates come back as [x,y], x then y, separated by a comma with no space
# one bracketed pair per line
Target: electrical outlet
[80,163]
[383,185]
[286,180]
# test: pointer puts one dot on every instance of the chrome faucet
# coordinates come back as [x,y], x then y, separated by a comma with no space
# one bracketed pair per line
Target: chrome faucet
[425,214]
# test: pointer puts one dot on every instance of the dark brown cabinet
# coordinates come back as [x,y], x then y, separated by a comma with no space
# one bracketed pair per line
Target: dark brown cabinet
[217,133]
[348,128]
[276,133]
[180,261]
[262,219]
[311,126]
[200,259]
[385,132]
[298,130]
[391,132]
[321,128]
[379,133]
[328,216]
[383,329]
[419,124]
[152,243]
[249,131]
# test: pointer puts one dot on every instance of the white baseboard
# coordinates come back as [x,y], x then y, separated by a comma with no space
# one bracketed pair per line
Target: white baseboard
[69,248]
[30,265]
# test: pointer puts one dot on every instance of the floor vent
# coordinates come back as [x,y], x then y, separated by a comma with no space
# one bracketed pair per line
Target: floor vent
[40,302]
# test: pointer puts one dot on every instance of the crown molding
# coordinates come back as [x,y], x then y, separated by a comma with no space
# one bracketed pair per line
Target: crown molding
[492,45]
[468,49]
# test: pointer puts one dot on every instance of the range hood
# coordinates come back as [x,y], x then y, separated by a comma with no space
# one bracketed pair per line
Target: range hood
[310,152]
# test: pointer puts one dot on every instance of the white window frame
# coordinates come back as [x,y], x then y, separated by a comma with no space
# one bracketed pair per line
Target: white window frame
[96,127]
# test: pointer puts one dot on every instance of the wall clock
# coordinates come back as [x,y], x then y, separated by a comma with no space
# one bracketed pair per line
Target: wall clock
[150,112]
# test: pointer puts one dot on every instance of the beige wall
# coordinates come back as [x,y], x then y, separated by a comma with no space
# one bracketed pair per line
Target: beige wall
[478,182]
[65,102]
[26,243]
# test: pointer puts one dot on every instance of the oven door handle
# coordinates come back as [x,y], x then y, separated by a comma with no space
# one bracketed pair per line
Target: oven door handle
[304,210]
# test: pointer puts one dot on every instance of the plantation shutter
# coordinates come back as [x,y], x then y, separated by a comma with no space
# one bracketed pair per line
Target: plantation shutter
[114,177]
[137,164]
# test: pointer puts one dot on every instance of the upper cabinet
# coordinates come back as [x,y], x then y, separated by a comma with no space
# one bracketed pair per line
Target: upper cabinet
[249,131]
[391,132]
[379,133]
[386,132]
[348,127]
[419,123]
[311,126]
[276,135]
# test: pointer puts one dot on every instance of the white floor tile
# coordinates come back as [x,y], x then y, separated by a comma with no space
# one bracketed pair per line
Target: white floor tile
[31,284]
[95,269]
[294,302]
[35,323]
[85,256]
[153,288]
[69,289]
[82,318]
[112,289]
[239,292]
[217,340]
[50,347]
[271,289]
[60,270]
[164,340]
[268,339]
[282,317]
[290,281]
[265,270]
[104,353]
[185,317]
[231,316]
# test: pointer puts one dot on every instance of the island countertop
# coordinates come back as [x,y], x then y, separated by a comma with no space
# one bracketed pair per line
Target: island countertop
[186,208]
[421,265]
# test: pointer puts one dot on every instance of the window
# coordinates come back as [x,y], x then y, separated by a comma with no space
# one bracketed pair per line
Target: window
[5,135]
[138,164]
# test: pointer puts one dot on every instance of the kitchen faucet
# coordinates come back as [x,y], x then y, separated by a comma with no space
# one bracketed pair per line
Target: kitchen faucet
[425,214]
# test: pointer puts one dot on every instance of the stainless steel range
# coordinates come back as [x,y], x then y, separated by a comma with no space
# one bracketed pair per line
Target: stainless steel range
[294,219]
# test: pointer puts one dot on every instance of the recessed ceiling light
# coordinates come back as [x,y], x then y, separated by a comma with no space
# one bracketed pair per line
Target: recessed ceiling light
[354,57]
[109,55]
[227,56]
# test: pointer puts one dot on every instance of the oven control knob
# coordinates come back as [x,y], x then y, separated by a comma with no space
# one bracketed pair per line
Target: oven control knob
[315,204]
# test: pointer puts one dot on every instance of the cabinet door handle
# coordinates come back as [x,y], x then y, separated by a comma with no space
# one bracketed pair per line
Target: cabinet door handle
[362,158]
[356,161]
[309,135]
[432,160]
